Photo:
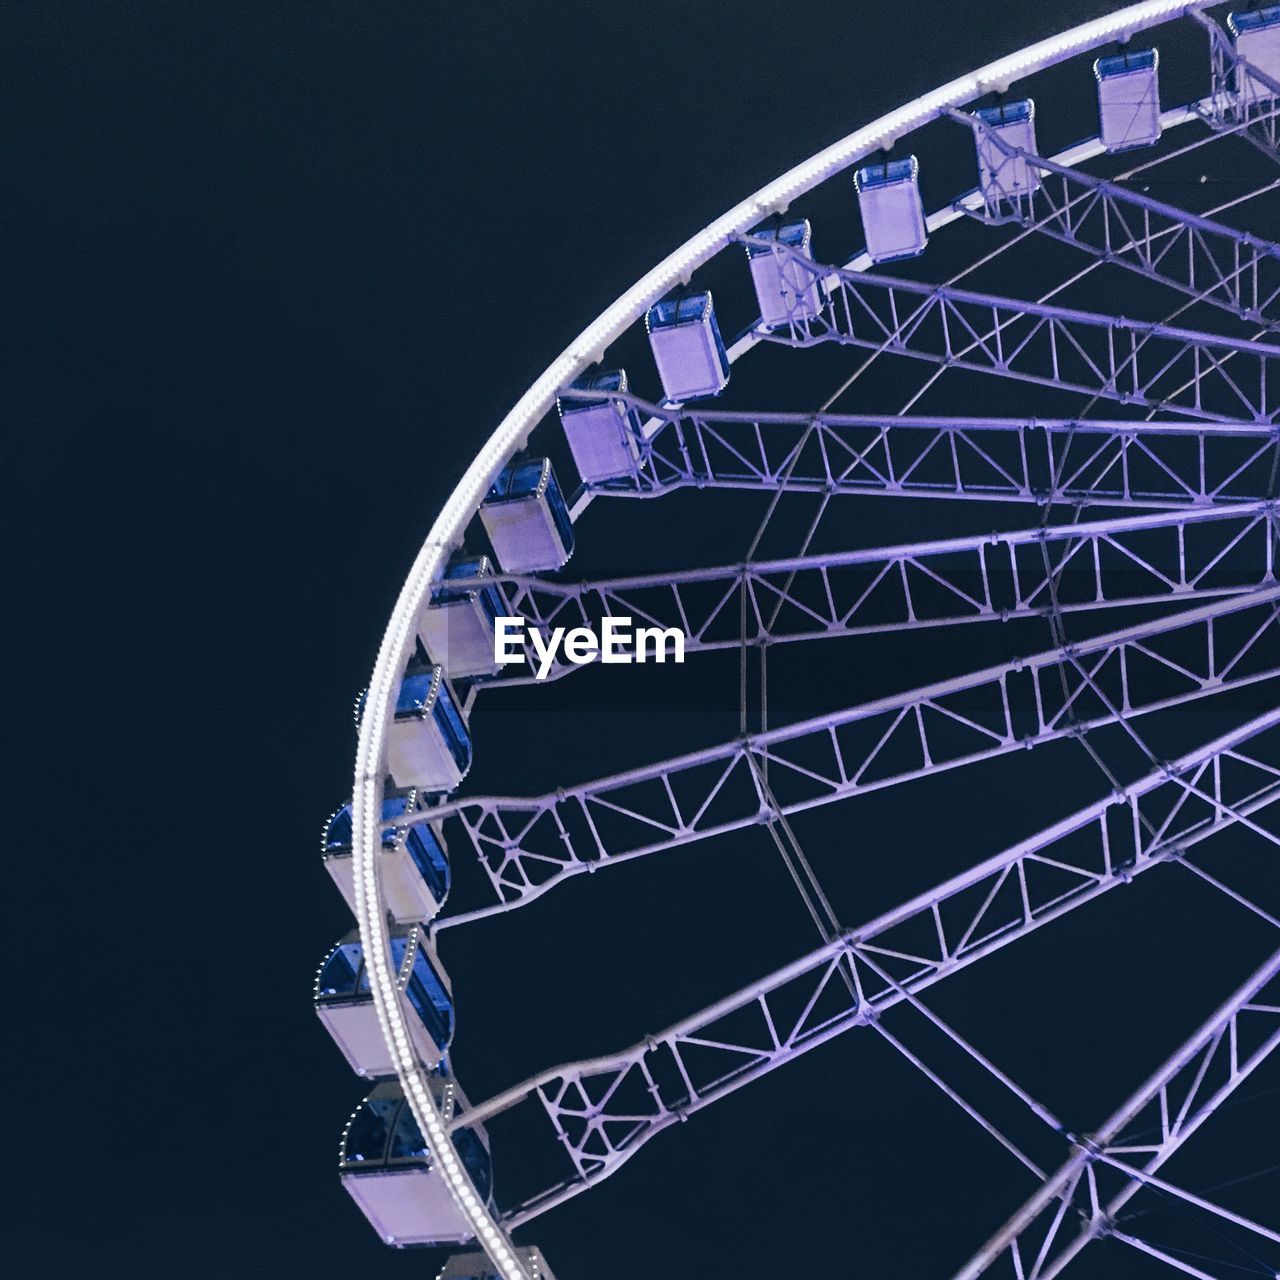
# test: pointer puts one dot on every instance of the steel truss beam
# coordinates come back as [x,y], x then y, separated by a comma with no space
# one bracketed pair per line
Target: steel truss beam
[1073,1206]
[528,844]
[602,1110]
[1197,256]
[1242,99]
[1156,365]
[1167,556]
[1082,462]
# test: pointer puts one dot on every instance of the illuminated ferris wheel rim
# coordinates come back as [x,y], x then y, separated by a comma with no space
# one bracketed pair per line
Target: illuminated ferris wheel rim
[511,435]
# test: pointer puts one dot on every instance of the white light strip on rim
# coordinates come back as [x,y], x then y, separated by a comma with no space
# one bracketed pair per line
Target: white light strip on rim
[510,435]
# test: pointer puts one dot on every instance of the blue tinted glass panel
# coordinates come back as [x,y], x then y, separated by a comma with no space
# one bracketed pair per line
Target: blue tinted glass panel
[606,380]
[1122,63]
[467,567]
[448,720]
[1255,21]
[794,234]
[491,602]
[366,1141]
[406,1139]
[675,311]
[428,997]
[560,513]
[430,860]
[461,569]
[1005,113]
[338,834]
[518,481]
[887,175]
[415,693]
[720,351]
[527,478]
[394,807]
[476,1160]
[342,974]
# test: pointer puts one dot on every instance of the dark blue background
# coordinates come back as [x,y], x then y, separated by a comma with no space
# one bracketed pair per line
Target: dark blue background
[275,271]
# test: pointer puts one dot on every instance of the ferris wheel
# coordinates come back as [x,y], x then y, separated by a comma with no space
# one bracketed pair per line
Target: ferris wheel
[1068,383]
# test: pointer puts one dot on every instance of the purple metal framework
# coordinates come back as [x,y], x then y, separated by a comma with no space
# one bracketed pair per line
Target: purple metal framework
[1243,99]
[1071,1208]
[1080,462]
[1206,260]
[1157,366]
[1166,556]
[602,1110]
[1198,488]
[527,845]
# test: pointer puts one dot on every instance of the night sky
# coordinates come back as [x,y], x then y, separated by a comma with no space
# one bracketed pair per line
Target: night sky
[275,271]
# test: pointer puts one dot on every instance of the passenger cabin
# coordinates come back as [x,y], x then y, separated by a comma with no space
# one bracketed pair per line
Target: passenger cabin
[476,1266]
[1128,99]
[1003,177]
[787,289]
[428,745]
[413,861]
[892,214]
[603,432]
[526,518]
[344,1002]
[387,1170]
[1257,37]
[687,348]
[456,625]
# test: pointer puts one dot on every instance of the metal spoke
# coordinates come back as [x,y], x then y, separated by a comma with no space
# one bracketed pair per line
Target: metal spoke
[1182,554]
[1040,1239]
[984,909]
[1207,260]
[528,844]
[1133,362]
[1038,460]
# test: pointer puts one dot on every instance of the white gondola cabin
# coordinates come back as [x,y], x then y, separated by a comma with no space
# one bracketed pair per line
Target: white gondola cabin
[388,1171]
[1002,176]
[413,862]
[457,623]
[603,433]
[687,348]
[1129,99]
[892,213]
[344,1002]
[476,1266]
[787,289]
[526,518]
[1257,37]
[428,744]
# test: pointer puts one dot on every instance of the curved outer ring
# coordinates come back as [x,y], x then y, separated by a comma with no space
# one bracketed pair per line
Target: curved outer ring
[589,348]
